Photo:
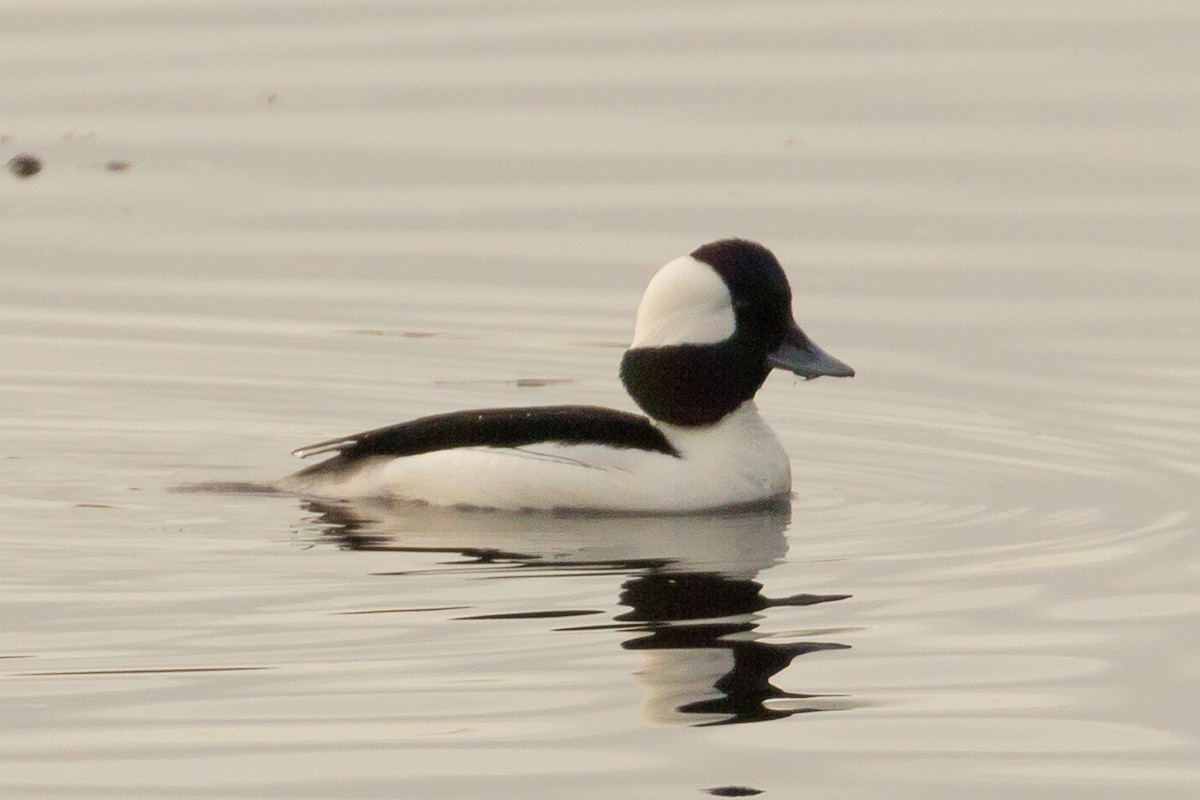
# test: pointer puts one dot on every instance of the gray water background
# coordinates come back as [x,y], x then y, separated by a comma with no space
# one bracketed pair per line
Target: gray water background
[332,216]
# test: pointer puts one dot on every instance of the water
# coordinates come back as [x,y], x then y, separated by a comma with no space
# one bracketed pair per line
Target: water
[338,216]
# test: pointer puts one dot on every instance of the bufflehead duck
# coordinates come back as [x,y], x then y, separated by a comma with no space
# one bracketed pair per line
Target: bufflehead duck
[710,327]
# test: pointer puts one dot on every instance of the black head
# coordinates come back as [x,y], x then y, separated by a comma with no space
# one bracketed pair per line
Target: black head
[710,328]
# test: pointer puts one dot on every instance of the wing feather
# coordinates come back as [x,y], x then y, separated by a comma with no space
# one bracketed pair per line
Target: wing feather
[497,427]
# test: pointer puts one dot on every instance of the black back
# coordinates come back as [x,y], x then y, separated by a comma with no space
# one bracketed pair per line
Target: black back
[497,427]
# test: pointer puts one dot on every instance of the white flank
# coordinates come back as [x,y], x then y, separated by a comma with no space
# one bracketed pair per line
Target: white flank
[736,462]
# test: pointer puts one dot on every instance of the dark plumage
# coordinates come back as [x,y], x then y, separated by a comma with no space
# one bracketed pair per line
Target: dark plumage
[495,427]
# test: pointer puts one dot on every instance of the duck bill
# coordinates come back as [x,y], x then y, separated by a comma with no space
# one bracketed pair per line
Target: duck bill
[800,355]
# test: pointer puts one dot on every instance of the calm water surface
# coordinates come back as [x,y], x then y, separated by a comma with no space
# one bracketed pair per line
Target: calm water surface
[337,216]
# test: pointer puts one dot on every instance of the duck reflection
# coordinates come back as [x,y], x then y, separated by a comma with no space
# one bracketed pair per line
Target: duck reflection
[693,604]
[701,664]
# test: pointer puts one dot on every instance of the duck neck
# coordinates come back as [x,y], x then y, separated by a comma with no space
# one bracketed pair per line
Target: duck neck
[692,384]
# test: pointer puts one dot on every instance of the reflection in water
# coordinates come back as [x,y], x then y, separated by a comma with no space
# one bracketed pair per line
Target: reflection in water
[697,626]
[692,598]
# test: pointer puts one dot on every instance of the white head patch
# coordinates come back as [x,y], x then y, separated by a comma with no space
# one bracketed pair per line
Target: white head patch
[686,302]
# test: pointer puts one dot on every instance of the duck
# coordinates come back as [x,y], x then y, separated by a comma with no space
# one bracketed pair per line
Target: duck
[710,328]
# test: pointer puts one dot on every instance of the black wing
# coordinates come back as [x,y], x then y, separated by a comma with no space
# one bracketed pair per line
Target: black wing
[498,427]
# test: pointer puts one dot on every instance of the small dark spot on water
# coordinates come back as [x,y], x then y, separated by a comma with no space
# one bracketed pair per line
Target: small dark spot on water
[117,165]
[537,382]
[733,791]
[25,165]
[226,487]
[272,99]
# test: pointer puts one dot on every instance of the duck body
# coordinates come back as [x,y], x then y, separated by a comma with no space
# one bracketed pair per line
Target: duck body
[580,458]
[710,328]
